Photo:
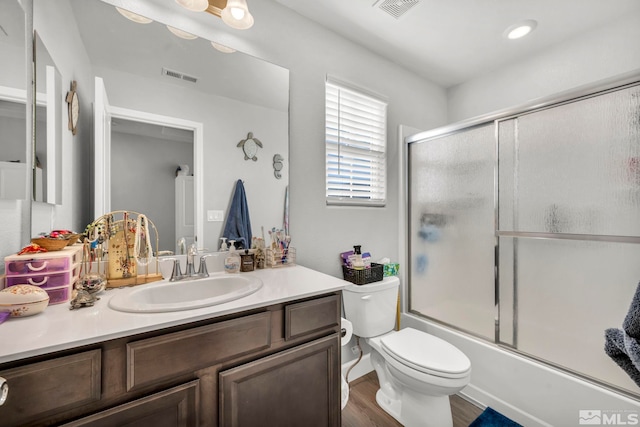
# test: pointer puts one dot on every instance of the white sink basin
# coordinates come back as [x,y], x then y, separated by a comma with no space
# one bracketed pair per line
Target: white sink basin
[185,294]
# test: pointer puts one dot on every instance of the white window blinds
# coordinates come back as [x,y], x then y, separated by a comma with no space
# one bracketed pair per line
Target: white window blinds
[355,142]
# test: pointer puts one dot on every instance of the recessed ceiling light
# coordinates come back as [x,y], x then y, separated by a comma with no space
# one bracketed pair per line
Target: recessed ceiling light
[520,29]
[181,33]
[134,16]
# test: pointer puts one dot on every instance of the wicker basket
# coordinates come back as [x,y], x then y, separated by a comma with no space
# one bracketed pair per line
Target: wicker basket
[364,276]
[50,244]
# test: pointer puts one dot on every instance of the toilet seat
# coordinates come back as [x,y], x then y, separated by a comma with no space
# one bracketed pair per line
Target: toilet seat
[426,353]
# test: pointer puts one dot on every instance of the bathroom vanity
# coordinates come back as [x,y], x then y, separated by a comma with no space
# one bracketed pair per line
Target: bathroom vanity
[272,358]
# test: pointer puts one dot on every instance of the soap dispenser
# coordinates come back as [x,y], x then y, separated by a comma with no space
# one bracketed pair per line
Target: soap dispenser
[223,245]
[357,263]
[232,261]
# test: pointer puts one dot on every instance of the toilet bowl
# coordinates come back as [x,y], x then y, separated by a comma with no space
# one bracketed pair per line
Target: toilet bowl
[417,371]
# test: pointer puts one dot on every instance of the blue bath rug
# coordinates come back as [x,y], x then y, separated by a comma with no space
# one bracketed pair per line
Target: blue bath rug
[491,418]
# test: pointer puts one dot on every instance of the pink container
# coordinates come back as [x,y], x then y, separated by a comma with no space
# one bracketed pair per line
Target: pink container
[59,295]
[43,263]
[45,281]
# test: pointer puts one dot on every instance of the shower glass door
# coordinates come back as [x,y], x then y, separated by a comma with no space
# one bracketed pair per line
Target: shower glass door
[569,229]
[526,231]
[452,229]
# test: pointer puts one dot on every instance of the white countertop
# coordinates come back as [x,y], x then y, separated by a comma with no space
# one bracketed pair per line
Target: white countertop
[58,328]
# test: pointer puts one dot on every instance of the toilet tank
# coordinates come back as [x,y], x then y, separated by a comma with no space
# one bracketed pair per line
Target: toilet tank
[371,308]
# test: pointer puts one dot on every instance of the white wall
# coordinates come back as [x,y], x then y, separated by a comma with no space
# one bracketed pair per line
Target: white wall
[65,46]
[599,54]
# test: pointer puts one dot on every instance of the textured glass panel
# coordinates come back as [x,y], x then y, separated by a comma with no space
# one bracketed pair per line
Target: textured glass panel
[507,291]
[569,292]
[507,178]
[451,181]
[578,167]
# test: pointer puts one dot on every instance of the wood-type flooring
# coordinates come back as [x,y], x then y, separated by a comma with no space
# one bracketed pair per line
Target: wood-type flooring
[363,411]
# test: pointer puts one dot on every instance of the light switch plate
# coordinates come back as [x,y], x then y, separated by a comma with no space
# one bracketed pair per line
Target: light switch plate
[215,216]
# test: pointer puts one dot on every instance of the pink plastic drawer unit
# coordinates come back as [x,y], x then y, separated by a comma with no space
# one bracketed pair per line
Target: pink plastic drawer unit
[43,263]
[59,295]
[45,281]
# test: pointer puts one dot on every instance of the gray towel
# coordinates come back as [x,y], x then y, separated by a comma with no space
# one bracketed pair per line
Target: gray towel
[616,348]
[631,324]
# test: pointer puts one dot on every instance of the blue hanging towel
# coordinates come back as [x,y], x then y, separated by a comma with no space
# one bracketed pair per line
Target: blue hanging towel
[238,226]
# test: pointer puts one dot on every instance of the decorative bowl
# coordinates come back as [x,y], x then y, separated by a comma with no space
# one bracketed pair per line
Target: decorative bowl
[73,238]
[49,243]
[23,300]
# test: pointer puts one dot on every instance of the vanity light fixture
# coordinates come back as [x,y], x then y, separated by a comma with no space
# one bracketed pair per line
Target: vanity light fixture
[222,48]
[234,13]
[181,33]
[134,16]
[520,29]
[194,5]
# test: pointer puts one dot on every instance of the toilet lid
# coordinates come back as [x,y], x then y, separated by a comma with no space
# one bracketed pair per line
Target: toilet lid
[426,353]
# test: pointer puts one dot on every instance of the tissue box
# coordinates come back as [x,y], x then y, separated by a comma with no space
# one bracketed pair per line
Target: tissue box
[391,269]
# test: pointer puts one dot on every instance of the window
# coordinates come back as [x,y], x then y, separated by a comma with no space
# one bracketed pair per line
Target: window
[355,143]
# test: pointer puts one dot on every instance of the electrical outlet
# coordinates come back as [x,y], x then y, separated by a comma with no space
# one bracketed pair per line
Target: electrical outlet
[355,349]
[215,216]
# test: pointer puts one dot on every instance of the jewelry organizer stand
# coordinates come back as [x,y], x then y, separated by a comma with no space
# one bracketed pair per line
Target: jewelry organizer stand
[128,245]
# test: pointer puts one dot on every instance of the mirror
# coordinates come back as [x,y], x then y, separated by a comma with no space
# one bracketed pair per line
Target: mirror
[13,96]
[144,75]
[47,178]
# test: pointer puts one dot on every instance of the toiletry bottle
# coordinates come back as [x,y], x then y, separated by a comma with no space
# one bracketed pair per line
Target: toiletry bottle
[223,245]
[247,261]
[232,261]
[357,263]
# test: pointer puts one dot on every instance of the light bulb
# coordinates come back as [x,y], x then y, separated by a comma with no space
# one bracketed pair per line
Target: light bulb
[237,13]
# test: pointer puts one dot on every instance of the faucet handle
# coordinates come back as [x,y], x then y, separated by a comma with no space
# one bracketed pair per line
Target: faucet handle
[176,273]
[202,270]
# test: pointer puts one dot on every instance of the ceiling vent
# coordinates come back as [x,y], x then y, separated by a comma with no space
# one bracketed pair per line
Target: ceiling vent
[397,8]
[179,75]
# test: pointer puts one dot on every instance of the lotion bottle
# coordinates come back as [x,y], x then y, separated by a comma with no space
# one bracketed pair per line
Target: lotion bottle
[357,263]
[232,261]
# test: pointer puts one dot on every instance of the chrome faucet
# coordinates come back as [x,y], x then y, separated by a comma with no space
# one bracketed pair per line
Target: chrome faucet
[191,253]
[176,273]
[182,245]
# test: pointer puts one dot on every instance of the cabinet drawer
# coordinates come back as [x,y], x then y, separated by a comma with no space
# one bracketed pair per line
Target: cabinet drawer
[46,388]
[154,359]
[176,407]
[308,317]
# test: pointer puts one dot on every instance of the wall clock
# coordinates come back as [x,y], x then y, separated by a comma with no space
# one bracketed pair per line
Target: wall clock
[250,147]
[73,108]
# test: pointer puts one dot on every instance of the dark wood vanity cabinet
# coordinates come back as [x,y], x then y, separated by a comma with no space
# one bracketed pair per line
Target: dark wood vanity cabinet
[273,366]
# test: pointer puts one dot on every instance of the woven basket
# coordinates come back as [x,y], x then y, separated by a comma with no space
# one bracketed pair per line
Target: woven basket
[50,244]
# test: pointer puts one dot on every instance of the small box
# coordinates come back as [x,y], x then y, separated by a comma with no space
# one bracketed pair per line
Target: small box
[391,269]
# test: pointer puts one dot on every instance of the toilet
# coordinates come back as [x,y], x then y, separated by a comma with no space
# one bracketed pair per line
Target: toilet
[417,372]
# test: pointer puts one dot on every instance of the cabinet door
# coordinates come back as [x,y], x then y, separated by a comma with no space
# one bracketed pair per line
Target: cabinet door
[296,387]
[176,407]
